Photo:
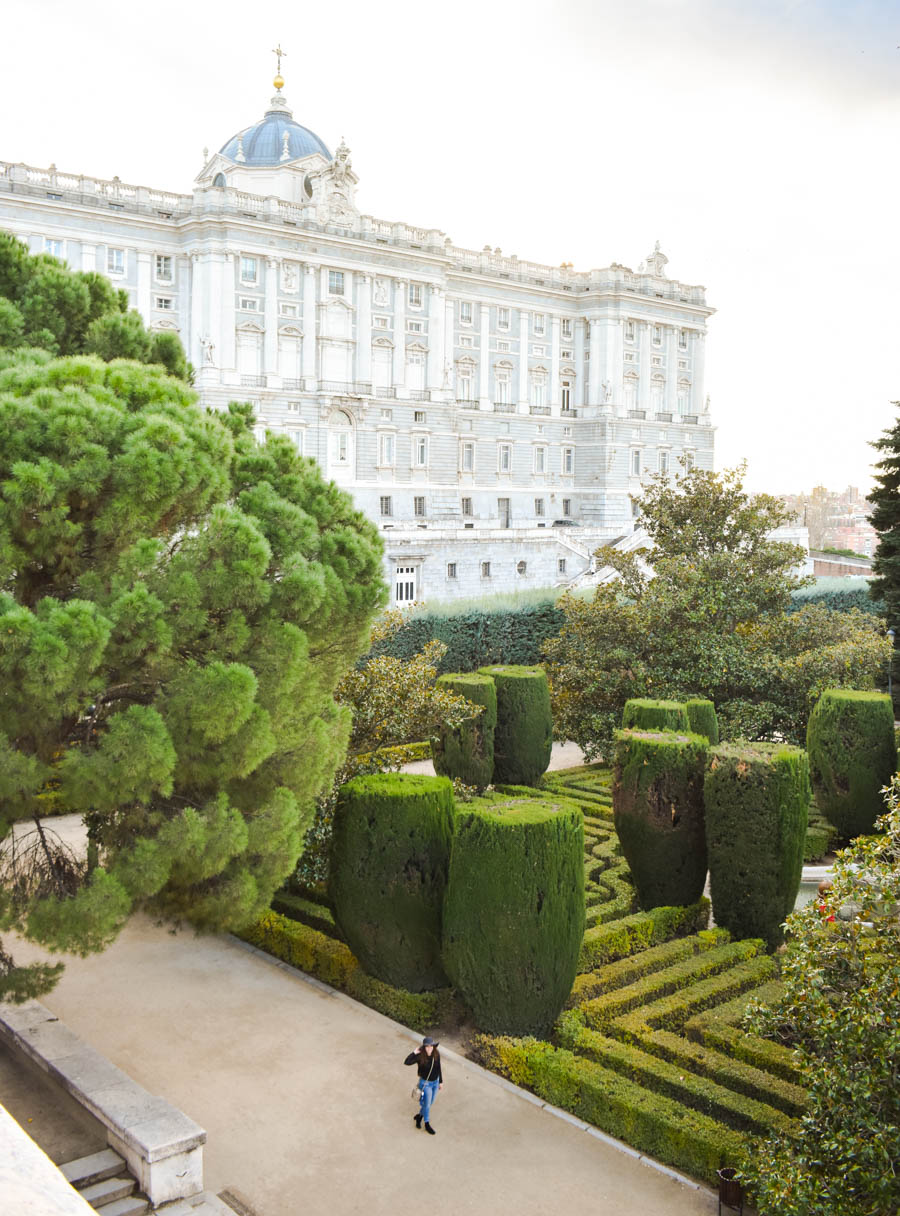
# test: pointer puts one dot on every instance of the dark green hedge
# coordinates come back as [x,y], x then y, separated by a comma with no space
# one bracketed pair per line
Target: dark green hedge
[702,719]
[389,862]
[756,797]
[523,738]
[852,754]
[476,639]
[658,810]
[619,938]
[514,913]
[835,593]
[643,713]
[467,751]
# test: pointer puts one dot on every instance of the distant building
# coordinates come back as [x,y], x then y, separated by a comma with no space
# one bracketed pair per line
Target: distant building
[495,417]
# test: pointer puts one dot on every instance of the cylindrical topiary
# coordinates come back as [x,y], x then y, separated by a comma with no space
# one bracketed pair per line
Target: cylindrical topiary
[389,862]
[523,738]
[643,713]
[658,813]
[702,719]
[756,798]
[467,751]
[514,913]
[852,755]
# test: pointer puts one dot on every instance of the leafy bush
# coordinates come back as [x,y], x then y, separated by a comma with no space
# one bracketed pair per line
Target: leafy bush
[702,719]
[658,809]
[852,755]
[756,798]
[390,856]
[514,914]
[840,594]
[619,938]
[467,751]
[332,962]
[523,738]
[642,713]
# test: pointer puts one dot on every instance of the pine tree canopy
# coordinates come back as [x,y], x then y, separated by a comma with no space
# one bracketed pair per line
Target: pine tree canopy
[885,519]
[177,605]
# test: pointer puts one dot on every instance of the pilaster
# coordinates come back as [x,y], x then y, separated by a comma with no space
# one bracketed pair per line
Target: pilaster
[198,295]
[523,360]
[671,370]
[595,376]
[578,399]
[270,347]
[310,277]
[435,369]
[698,371]
[644,386]
[484,364]
[401,287]
[553,387]
[364,328]
[227,312]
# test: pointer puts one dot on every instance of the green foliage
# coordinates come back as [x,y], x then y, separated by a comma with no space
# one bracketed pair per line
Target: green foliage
[756,799]
[514,915]
[620,938]
[702,719]
[885,519]
[711,621]
[523,737]
[839,1011]
[178,604]
[643,713]
[658,807]
[838,593]
[389,863]
[332,962]
[467,751]
[852,755]
[45,304]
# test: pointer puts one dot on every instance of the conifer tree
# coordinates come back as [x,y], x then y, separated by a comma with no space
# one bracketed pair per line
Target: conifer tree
[885,519]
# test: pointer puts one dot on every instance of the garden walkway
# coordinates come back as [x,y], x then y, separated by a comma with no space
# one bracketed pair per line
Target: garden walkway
[306,1102]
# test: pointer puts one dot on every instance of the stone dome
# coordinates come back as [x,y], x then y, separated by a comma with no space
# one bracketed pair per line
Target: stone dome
[265,144]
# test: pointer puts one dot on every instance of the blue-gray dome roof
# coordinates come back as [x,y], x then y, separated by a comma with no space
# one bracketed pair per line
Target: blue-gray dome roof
[263,143]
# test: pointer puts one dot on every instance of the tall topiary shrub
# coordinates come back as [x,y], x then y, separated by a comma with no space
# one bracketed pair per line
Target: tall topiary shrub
[757,798]
[702,719]
[389,864]
[658,812]
[523,738]
[643,713]
[852,755]
[467,751]
[514,915]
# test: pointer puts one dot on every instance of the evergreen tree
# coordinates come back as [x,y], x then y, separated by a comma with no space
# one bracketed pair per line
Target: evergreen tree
[177,606]
[885,519]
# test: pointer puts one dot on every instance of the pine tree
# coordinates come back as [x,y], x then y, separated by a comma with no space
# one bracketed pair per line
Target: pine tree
[177,605]
[885,519]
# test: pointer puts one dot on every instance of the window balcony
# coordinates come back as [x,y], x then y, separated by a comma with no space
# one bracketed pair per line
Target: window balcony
[467,403]
[419,394]
[292,385]
[336,386]
[568,413]
[363,387]
[640,414]
[253,382]
[539,410]
[663,417]
[383,392]
[688,419]
[504,407]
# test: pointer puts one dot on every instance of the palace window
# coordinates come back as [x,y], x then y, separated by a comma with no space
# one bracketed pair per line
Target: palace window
[657,335]
[504,457]
[380,322]
[567,432]
[565,394]
[467,457]
[560,565]
[288,310]
[115,261]
[386,414]
[249,270]
[565,327]
[684,399]
[451,569]
[538,389]
[538,323]
[296,437]
[387,505]
[657,394]
[419,505]
[663,461]
[335,282]
[465,312]
[503,318]
[682,339]
[415,295]
[419,417]
[540,459]
[568,460]
[386,450]
[54,248]
[501,386]
[405,582]
[635,462]
[248,304]
[294,407]
[420,452]
[340,447]
[688,461]
[629,331]
[539,506]
[466,506]
[502,347]
[464,384]
[164,303]
[567,507]
[521,567]
[485,569]
[538,350]
[163,268]
[413,327]
[466,340]
[566,354]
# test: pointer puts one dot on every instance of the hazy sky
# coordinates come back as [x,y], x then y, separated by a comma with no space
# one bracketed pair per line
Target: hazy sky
[756,139]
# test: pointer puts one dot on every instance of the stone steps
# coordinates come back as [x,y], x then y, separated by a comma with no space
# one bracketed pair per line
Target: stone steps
[103,1181]
[86,1170]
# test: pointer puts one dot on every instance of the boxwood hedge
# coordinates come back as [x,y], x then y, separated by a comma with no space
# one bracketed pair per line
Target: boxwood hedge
[467,751]
[523,738]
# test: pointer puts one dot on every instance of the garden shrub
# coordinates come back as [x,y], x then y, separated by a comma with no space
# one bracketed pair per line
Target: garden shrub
[852,755]
[523,738]
[702,718]
[632,967]
[619,938]
[466,752]
[308,911]
[332,962]
[514,914]
[756,797]
[390,856]
[658,811]
[643,713]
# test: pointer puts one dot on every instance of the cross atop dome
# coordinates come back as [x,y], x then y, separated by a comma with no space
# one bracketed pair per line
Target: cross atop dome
[278,82]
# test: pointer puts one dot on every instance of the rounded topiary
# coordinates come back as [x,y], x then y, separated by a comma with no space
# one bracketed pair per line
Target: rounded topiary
[514,914]
[702,719]
[389,862]
[852,755]
[643,713]
[467,751]
[658,812]
[756,797]
[523,738]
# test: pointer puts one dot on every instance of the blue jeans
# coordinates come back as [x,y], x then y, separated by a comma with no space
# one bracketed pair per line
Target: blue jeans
[429,1093]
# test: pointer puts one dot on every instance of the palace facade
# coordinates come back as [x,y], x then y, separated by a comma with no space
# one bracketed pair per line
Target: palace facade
[495,417]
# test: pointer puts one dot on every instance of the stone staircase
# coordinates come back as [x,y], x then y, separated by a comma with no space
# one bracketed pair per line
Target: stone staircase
[103,1181]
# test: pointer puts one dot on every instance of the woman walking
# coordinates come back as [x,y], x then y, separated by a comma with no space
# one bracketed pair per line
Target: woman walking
[428,1058]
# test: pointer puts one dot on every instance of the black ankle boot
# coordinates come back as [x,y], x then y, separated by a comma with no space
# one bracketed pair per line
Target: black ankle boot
[418,1119]
[430,1129]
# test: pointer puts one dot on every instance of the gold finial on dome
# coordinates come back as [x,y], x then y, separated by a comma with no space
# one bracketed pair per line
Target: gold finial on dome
[279,79]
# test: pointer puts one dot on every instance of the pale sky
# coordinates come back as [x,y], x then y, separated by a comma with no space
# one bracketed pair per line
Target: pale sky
[757,140]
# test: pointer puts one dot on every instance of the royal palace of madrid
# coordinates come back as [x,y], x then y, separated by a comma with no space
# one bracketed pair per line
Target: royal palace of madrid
[494,417]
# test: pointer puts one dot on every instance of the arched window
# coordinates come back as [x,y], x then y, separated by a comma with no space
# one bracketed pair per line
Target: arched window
[340,445]
[219,179]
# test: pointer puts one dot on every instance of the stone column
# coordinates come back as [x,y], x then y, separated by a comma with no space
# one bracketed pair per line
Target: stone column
[698,371]
[449,344]
[198,287]
[310,274]
[523,359]
[226,351]
[435,370]
[578,398]
[595,376]
[612,364]
[143,285]
[270,348]
[401,287]
[553,387]
[644,389]
[671,370]
[364,329]
[484,366]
